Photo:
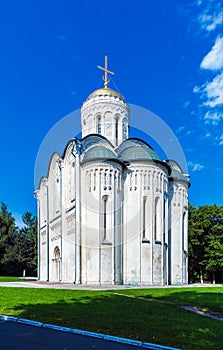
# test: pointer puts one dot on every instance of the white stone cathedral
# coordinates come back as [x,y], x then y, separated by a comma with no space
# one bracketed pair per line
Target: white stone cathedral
[110,210]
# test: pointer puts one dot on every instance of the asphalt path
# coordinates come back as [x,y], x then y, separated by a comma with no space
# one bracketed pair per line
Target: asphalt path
[19,336]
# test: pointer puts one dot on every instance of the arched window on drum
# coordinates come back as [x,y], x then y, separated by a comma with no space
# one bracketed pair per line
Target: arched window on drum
[99,125]
[124,129]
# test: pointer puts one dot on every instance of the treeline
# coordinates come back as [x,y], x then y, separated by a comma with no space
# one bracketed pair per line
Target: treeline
[18,246]
[205,243]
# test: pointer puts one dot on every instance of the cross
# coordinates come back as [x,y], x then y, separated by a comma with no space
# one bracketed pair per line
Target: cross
[106,72]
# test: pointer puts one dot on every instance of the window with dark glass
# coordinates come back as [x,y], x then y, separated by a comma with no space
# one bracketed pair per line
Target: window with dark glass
[105,200]
[99,125]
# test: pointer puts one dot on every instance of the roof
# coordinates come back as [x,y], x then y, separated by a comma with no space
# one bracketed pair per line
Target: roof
[176,172]
[176,175]
[99,152]
[137,152]
[136,149]
[105,92]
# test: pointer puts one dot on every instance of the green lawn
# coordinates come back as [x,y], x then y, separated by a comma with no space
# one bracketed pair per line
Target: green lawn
[107,312]
[207,299]
[9,279]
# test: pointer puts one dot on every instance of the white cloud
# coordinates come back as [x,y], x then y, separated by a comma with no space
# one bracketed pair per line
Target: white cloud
[195,166]
[220,140]
[186,104]
[214,59]
[213,117]
[214,91]
[181,128]
[189,132]
[216,20]
[196,89]
[210,22]
[199,2]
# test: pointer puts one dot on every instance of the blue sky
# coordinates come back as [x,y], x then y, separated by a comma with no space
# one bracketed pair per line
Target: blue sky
[167,57]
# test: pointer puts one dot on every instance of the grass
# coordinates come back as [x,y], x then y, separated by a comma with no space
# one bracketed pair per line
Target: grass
[207,299]
[9,279]
[110,313]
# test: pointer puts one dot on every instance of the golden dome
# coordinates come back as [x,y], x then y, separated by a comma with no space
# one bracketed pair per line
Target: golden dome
[106,92]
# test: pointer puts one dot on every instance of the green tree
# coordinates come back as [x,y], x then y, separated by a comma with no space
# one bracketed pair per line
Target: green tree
[14,259]
[18,247]
[213,257]
[8,232]
[195,246]
[29,233]
[205,241]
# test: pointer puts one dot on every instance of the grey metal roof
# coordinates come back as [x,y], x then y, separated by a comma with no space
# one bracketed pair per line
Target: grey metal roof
[137,152]
[99,152]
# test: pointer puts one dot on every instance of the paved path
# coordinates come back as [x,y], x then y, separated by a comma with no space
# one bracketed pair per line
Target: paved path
[48,285]
[20,335]
[36,284]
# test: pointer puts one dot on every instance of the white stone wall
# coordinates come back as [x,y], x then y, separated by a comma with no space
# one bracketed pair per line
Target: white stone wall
[178,234]
[143,252]
[100,182]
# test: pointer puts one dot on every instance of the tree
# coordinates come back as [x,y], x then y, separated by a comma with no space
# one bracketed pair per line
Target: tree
[205,240]
[18,247]
[8,232]
[214,232]
[195,246]
[29,232]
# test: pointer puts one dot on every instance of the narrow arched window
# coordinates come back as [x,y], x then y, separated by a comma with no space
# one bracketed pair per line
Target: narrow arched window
[164,220]
[57,260]
[105,200]
[184,231]
[144,218]
[57,253]
[157,220]
[124,129]
[116,131]
[99,125]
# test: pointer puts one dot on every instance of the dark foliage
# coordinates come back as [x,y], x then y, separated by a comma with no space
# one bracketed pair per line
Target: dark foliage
[205,243]
[18,246]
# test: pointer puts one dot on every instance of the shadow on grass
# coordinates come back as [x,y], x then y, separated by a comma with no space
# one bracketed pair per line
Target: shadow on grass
[208,299]
[106,312]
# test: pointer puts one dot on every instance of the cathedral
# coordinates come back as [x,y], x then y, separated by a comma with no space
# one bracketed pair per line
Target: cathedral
[110,209]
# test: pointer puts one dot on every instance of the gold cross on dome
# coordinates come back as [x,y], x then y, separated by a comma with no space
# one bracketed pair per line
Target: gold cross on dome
[106,72]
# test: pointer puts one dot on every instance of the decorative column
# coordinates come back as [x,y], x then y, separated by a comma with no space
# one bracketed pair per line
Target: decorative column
[77,238]
[47,230]
[36,195]
[61,168]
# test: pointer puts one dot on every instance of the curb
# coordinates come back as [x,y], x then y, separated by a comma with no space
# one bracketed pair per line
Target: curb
[110,338]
